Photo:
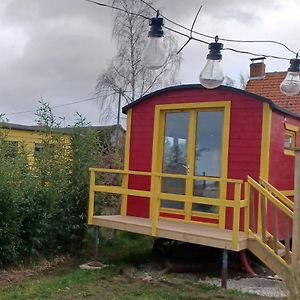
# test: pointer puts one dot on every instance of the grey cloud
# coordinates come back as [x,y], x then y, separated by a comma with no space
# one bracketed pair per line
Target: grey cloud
[244,11]
[33,10]
[67,43]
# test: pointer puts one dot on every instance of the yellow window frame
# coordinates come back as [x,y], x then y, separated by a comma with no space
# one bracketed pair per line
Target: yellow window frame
[159,124]
[291,131]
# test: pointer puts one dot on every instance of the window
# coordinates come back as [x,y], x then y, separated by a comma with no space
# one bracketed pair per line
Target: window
[37,149]
[290,135]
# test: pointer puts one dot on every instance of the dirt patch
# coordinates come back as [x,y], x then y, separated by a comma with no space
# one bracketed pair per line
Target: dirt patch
[45,266]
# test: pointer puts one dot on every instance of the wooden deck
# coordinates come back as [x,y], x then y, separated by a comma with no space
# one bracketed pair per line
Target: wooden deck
[191,233]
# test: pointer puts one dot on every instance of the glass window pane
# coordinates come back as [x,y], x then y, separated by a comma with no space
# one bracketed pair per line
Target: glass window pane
[207,189]
[176,142]
[208,153]
[289,140]
[175,155]
[208,143]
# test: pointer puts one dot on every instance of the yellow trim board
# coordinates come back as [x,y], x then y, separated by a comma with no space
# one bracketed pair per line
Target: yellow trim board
[291,127]
[189,186]
[224,160]
[265,151]
[198,105]
[155,151]
[126,163]
[265,142]
[289,152]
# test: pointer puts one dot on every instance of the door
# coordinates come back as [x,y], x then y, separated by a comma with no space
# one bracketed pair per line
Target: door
[192,145]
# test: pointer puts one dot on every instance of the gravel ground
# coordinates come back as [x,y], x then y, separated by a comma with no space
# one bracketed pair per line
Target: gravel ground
[268,287]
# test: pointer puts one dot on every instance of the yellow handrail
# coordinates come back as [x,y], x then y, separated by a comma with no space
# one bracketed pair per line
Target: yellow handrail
[166,175]
[116,171]
[269,201]
[270,196]
[277,193]
[156,195]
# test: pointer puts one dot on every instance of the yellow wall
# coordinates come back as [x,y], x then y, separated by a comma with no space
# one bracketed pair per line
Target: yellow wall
[27,137]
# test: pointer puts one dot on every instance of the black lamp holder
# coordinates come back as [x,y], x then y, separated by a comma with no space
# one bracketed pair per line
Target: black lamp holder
[295,65]
[215,51]
[156,27]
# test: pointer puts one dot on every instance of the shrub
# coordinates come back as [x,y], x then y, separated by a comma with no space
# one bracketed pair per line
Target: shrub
[43,202]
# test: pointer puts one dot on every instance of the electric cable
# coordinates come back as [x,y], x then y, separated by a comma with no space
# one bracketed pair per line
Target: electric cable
[220,38]
[54,106]
[190,37]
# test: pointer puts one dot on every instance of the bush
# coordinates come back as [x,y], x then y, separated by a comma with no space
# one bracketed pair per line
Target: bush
[43,202]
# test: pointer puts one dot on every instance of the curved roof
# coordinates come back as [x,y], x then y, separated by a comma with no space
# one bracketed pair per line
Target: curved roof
[199,86]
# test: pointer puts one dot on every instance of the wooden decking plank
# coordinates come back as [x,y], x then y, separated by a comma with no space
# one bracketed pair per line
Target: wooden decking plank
[192,233]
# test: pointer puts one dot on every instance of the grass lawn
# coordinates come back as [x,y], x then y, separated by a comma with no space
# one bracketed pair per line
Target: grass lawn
[110,284]
[123,279]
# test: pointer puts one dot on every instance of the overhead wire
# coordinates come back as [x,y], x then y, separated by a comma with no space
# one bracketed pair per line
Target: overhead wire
[221,38]
[118,8]
[54,106]
[190,37]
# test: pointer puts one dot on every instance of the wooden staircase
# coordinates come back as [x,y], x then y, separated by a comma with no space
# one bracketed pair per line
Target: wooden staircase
[270,226]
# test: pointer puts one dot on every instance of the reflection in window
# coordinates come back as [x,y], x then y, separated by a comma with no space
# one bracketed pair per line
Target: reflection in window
[290,136]
[207,189]
[208,143]
[208,156]
[175,156]
[289,139]
[175,143]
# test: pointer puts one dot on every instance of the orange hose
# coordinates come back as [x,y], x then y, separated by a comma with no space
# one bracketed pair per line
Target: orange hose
[246,264]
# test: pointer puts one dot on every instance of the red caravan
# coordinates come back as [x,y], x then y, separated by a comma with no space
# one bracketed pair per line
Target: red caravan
[247,155]
[212,167]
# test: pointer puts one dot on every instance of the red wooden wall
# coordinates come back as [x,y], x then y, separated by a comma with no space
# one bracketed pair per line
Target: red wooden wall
[281,174]
[244,145]
[281,165]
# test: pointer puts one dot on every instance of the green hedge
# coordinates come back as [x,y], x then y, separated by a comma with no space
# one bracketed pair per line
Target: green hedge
[43,203]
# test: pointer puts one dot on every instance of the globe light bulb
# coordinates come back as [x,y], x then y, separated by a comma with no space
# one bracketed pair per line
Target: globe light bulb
[155,54]
[212,75]
[290,86]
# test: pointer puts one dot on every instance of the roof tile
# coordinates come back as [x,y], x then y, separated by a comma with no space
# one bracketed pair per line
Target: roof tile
[269,87]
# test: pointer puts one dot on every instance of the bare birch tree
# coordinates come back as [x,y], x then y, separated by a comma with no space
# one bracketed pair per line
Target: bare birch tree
[125,75]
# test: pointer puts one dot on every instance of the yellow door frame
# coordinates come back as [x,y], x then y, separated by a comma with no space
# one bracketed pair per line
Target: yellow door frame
[157,148]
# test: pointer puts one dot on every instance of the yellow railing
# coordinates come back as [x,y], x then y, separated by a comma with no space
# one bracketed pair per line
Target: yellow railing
[279,195]
[155,195]
[266,206]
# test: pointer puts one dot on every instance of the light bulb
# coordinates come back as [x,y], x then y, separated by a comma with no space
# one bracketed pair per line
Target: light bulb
[212,75]
[290,86]
[155,54]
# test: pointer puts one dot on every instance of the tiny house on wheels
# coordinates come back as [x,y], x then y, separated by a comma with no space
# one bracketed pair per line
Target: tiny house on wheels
[210,167]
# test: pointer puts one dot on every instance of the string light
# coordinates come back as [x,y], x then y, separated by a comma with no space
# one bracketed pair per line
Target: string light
[212,75]
[290,86]
[155,53]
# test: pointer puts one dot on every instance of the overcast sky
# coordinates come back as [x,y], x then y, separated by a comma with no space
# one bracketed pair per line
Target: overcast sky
[54,49]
